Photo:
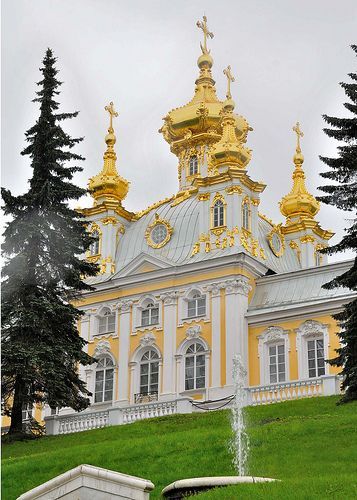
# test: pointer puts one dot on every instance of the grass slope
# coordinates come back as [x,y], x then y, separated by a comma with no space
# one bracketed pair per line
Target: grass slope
[311,445]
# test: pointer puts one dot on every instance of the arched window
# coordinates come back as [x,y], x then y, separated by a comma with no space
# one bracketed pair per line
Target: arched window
[195,367]
[106,322]
[196,306]
[193,165]
[246,216]
[104,380]
[150,315]
[149,373]
[94,248]
[218,214]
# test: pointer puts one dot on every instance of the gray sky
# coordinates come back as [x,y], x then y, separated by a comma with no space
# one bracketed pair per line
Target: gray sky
[287,57]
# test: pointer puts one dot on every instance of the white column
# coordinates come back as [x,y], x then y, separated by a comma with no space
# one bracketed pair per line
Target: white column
[236,323]
[254,216]
[124,306]
[84,328]
[169,366]
[179,378]
[215,290]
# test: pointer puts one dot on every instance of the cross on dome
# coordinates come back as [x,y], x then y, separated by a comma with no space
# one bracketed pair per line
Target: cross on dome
[112,112]
[206,33]
[230,78]
[299,133]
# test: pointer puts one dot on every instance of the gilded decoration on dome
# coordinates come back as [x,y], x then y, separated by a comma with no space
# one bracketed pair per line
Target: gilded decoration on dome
[158,233]
[199,121]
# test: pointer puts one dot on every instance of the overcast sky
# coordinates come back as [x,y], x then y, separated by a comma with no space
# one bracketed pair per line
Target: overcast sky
[287,56]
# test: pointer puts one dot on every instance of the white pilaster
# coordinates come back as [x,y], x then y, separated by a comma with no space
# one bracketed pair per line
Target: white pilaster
[169,366]
[215,290]
[236,323]
[124,306]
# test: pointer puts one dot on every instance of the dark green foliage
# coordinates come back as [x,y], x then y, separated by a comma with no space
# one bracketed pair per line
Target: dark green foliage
[343,195]
[41,347]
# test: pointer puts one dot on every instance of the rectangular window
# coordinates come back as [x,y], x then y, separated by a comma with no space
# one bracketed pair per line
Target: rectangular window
[196,307]
[277,363]
[315,357]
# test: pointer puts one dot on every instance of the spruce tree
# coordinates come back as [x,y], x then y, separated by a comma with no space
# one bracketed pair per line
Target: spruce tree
[43,273]
[343,195]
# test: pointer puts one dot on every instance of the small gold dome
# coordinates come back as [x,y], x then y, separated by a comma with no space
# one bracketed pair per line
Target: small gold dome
[108,184]
[299,204]
[205,60]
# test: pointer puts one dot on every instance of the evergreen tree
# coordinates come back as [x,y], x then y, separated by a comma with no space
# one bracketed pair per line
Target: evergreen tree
[343,194]
[43,274]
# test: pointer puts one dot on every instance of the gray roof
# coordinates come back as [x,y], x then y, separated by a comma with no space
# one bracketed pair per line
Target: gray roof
[300,287]
[184,218]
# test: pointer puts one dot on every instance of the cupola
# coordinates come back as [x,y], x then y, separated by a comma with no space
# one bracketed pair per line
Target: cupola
[108,185]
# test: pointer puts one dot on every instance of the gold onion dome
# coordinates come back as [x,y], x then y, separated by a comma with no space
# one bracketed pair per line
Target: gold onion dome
[200,119]
[299,203]
[229,150]
[108,184]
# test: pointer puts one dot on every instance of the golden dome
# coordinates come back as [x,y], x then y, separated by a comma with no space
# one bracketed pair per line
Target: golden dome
[108,184]
[299,204]
[199,121]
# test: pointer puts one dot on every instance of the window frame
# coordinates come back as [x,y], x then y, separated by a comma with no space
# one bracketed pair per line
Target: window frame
[201,353]
[149,362]
[193,170]
[310,330]
[105,314]
[196,299]
[271,337]
[104,369]
[150,308]
[246,215]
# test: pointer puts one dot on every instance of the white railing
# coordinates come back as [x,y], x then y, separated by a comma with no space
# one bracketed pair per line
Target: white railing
[77,422]
[133,413]
[285,391]
[82,422]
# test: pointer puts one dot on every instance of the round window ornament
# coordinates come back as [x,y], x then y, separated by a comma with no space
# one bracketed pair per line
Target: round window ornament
[158,233]
[276,241]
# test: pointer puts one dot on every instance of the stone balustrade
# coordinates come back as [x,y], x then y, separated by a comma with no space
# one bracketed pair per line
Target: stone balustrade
[285,391]
[84,421]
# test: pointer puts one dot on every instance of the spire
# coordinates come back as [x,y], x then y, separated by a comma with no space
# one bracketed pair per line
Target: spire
[299,204]
[108,184]
[229,150]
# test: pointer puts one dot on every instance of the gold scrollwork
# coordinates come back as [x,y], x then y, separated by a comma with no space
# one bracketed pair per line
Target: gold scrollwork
[148,233]
[276,241]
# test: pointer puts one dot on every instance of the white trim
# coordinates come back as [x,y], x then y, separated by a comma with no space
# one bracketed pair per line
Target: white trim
[183,305]
[310,330]
[273,335]
[180,365]
[137,313]
[134,365]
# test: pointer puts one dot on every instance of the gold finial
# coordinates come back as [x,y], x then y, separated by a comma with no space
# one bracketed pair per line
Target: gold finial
[206,33]
[230,78]
[299,133]
[112,112]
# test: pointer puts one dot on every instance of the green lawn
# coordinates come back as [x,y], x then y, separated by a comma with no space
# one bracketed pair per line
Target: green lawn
[311,445]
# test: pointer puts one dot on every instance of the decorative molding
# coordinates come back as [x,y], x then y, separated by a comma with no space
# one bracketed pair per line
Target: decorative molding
[169,298]
[124,305]
[203,196]
[311,328]
[239,285]
[307,239]
[103,347]
[147,340]
[193,332]
[234,189]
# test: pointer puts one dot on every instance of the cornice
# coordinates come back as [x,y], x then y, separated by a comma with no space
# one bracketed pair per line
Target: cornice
[240,260]
[106,206]
[229,175]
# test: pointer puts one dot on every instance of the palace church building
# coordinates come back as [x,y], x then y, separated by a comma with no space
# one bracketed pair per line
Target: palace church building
[201,276]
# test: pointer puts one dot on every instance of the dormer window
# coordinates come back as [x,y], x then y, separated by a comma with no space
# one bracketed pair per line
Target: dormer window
[193,165]
[150,315]
[246,216]
[196,306]
[218,214]
[94,248]
[106,322]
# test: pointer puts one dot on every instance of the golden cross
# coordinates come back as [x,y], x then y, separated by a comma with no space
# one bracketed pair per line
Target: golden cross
[299,133]
[112,112]
[206,33]
[230,78]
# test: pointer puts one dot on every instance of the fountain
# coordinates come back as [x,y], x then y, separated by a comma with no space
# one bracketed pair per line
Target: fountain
[239,446]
